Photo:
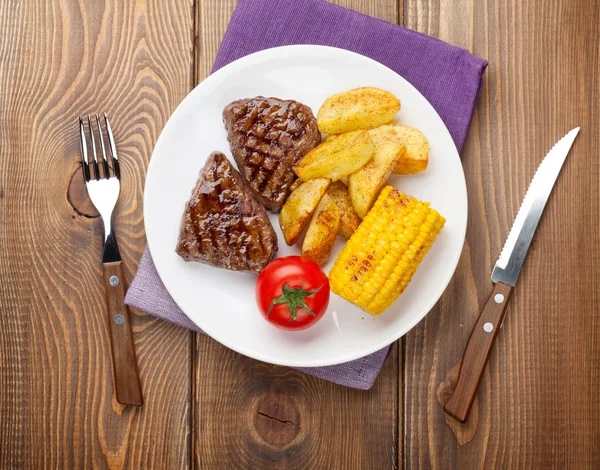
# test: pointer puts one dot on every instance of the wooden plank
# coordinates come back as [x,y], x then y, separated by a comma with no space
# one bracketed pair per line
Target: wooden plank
[58,60]
[212,18]
[254,415]
[384,10]
[538,401]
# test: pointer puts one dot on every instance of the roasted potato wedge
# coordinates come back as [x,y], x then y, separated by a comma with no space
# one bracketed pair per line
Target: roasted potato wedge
[415,157]
[365,185]
[322,230]
[299,207]
[295,185]
[360,108]
[349,221]
[337,157]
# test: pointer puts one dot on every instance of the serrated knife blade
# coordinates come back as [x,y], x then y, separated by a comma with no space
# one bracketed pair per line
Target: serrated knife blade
[505,275]
[513,254]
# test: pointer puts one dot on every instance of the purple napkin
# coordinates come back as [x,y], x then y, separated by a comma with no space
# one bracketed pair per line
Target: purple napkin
[449,77]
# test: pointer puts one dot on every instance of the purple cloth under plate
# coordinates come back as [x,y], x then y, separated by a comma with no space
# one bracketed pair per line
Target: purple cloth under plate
[449,77]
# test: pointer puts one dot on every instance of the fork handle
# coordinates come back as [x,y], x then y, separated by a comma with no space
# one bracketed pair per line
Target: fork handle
[126,375]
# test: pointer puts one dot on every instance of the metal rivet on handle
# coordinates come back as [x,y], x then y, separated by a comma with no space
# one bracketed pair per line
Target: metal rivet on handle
[119,319]
[499,298]
[488,327]
[114,280]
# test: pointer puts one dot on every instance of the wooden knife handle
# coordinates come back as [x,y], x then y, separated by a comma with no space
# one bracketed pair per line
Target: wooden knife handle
[128,386]
[477,352]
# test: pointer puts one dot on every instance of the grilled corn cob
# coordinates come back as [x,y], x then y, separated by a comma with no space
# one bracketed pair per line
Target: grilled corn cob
[381,257]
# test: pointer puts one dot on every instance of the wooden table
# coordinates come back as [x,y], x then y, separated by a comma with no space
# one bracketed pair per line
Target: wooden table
[208,407]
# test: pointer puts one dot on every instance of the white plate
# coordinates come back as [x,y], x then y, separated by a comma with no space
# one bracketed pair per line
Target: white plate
[222,302]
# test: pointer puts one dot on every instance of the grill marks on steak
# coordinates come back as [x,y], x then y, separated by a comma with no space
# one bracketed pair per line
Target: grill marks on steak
[268,137]
[223,225]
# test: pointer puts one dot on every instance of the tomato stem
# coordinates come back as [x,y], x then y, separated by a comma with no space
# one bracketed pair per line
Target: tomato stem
[294,297]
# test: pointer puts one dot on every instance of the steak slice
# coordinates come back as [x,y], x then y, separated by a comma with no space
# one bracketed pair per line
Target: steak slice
[223,225]
[268,137]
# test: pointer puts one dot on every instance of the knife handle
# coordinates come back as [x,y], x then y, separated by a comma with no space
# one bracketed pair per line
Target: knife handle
[126,375]
[477,352]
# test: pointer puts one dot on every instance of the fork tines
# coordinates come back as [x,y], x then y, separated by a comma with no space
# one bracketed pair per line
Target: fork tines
[91,169]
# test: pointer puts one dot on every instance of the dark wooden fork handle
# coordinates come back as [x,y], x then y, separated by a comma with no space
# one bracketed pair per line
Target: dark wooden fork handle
[128,386]
[477,352]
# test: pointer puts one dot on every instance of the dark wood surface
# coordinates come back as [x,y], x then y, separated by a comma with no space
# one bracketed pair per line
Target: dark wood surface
[208,407]
[538,401]
[58,60]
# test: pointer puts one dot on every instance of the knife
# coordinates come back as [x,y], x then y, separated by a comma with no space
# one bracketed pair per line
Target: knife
[504,276]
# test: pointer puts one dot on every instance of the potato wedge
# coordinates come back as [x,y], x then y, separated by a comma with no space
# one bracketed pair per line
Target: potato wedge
[360,108]
[299,207]
[337,157]
[365,185]
[349,221]
[295,185]
[415,157]
[321,233]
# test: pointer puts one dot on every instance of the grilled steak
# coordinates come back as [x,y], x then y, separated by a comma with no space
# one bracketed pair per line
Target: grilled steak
[223,225]
[268,137]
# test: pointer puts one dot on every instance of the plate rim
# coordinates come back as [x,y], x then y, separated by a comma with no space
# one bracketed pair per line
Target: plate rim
[275,52]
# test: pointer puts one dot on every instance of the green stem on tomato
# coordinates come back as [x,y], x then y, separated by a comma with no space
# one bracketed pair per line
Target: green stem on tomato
[294,297]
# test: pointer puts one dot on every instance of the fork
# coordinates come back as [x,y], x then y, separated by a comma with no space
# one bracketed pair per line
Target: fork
[103,187]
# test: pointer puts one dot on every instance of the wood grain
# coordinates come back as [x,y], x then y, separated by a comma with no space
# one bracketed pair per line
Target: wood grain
[538,405]
[212,18]
[254,415]
[126,375]
[477,352]
[59,60]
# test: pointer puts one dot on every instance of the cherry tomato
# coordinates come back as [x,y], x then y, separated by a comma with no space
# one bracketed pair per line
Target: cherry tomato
[292,293]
